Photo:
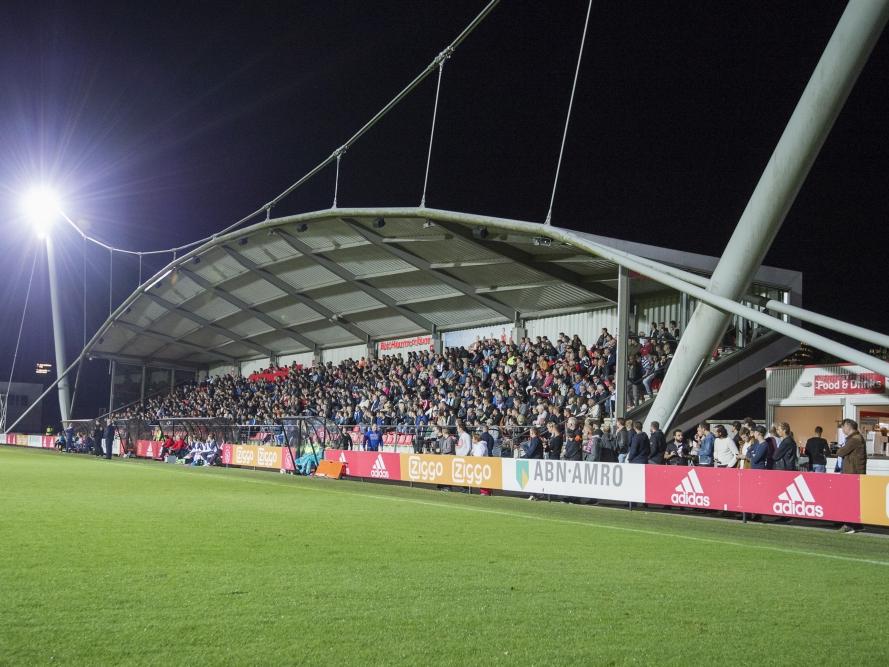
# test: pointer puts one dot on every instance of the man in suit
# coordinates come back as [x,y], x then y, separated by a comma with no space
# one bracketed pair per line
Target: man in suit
[109,439]
[554,447]
[817,450]
[640,447]
[534,447]
[657,444]
[785,452]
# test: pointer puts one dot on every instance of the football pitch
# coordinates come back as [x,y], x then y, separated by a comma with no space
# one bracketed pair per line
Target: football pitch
[126,562]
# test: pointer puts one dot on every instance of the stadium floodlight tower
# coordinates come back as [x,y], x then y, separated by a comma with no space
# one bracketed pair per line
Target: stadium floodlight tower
[41,208]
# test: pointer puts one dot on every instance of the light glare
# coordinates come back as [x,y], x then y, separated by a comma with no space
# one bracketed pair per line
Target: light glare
[41,206]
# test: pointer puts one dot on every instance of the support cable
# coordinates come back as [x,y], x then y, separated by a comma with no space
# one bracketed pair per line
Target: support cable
[18,342]
[549,213]
[442,57]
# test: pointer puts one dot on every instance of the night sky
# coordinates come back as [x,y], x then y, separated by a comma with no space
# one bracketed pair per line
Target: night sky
[162,123]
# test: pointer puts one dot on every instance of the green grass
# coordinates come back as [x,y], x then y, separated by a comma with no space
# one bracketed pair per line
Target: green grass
[128,562]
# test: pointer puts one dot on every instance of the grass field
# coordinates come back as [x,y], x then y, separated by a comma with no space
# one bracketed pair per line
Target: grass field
[110,562]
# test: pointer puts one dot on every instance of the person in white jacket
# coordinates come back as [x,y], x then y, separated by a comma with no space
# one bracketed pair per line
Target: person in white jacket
[464,441]
[479,446]
[725,451]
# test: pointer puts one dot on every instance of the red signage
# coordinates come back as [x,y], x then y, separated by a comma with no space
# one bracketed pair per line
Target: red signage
[801,495]
[705,488]
[375,465]
[387,345]
[148,449]
[850,383]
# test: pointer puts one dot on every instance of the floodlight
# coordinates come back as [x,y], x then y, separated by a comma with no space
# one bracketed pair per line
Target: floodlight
[41,207]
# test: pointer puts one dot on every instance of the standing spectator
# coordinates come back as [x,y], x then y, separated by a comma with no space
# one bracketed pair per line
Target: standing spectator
[479,446]
[553,448]
[445,441]
[677,450]
[785,453]
[707,442]
[464,441]
[758,453]
[816,450]
[97,438]
[657,444]
[725,451]
[607,445]
[591,443]
[533,449]
[735,434]
[639,445]
[109,439]
[488,439]
[573,448]
[372,439]
[854,455]
[622,436]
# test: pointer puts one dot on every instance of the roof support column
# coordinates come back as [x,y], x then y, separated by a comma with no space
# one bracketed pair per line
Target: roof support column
[519,331]
[820,104]
[623,341]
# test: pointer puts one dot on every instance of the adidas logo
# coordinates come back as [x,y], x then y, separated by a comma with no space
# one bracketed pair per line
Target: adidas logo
[149,453]
[378,469]
[690,492]
[343,458]
[798,500]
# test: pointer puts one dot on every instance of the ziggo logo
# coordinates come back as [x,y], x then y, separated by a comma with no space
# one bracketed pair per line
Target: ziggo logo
[244,456]
[463,472]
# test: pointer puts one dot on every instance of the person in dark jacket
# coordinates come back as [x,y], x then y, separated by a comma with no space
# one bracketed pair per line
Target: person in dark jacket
[657,444]
[109,439]
[622,436]
[534,447]
[554,447]
[785,452]
[677,450]
[817,450]
[573,450]
[639,445]
[758,454]
[97,439]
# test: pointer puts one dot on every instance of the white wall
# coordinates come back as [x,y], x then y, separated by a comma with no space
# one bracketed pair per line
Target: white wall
[587,324]
[657,308]
[304,358]
[466,337]
[338,354]
[254,365]
[222,369]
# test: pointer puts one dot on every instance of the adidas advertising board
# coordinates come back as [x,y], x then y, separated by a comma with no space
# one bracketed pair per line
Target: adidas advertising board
[372,465]
[579,479]
[704,488]
[801,495]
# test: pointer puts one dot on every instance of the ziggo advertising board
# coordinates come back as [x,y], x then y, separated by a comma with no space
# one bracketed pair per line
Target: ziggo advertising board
[473,471]
[252,456]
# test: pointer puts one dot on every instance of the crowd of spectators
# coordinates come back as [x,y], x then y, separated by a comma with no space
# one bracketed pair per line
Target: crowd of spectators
[493,383]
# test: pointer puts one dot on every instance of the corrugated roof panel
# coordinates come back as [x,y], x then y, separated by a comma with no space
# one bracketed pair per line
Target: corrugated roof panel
[144,311]
[327,335]
[369,261]
[303,274]
[264,248]
[211,307]
[327,234]
[207,338]
[454,249]
[177,288]
[143,346]
[114,339]
[289,312]
[409,228]
[413,287]
[216,266]
[345,299]
[559,295]
[455,313]
[277,342]
[386,323]
[499,275]
[178,326]
[253,289]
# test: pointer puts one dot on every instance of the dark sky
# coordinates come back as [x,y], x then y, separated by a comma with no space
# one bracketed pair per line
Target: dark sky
[161,123]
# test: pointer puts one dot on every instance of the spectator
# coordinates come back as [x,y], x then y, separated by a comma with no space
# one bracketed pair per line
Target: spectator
[657,444]
[479,446]
[786,452]
[725,451]
[534,447]
[608,449]
[553,447]
[639,445]
[758,453]
[677,450]
[372,439]
[707,442]
[854,455]
[622,436]
[817,450]
[464,441]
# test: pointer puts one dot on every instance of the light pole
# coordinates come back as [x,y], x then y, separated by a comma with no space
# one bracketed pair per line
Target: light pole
[41,207]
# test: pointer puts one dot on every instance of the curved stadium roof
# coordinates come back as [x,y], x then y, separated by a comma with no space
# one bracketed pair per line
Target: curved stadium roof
[348,276]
